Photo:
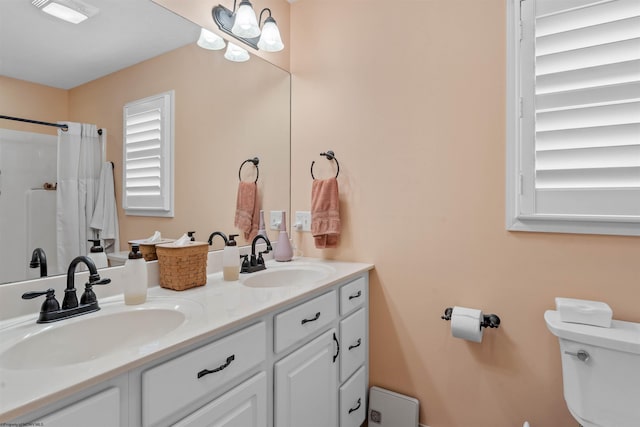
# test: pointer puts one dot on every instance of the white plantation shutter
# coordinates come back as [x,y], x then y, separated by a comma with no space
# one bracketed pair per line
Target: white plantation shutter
[148,147]
[580,113]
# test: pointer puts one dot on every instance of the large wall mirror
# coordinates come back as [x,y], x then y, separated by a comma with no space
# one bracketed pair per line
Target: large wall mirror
[225,113]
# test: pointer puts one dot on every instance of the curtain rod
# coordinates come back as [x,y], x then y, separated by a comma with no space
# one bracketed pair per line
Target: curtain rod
[37,122]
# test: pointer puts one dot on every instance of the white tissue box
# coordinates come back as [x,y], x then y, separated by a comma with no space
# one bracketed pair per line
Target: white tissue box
[587,312]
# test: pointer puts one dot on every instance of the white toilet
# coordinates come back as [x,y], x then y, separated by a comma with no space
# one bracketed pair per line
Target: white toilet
[600,371]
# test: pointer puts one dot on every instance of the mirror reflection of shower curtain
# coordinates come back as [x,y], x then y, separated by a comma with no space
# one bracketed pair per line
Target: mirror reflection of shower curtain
[80,156]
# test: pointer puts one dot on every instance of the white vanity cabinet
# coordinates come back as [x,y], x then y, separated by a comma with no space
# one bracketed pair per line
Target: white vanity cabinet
[323,381]
[300,363]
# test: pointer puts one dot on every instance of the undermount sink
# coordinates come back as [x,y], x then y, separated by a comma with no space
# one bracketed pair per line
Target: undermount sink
[286,275]
[115,327]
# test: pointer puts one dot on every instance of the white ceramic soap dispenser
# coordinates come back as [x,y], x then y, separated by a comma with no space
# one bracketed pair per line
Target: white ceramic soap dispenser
[231,260]
[135,277]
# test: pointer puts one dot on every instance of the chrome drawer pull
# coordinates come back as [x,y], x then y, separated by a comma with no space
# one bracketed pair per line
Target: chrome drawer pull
[356,345]
[356,295]
[313,319]
[357,406]
[582,355]
[220,368]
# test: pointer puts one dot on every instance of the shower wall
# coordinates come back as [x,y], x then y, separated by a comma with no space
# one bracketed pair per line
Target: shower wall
[27,212]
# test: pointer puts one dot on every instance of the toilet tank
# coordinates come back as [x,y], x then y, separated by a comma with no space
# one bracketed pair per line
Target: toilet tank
[603,389]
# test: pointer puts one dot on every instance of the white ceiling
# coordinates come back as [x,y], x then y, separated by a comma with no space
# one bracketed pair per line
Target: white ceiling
[37,47]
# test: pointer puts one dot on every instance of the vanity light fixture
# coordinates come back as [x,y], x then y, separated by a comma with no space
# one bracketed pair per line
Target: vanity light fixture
[239,24]
[74,11]
[235,53]
[210,40]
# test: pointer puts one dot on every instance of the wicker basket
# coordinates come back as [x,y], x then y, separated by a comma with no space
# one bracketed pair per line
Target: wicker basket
[182,267]
[148,250]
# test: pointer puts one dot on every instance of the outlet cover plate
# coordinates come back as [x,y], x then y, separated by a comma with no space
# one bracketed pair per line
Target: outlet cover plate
[304,219]
[275,218]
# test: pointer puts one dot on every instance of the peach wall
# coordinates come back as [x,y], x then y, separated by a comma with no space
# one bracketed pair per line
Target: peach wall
[414,107]
[224,113]
[26,100]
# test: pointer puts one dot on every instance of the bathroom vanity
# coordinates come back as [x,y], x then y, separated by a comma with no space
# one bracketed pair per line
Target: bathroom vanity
[285,347]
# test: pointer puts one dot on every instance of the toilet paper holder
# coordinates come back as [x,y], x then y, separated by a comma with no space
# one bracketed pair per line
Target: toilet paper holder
[488,320]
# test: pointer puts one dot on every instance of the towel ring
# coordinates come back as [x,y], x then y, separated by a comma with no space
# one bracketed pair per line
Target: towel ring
[255,162]
[330,155]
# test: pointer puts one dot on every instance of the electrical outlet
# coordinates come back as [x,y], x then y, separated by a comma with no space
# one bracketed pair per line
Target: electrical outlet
[304,219]
[275,219]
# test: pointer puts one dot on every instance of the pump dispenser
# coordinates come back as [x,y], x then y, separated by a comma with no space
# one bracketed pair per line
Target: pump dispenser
[97,255]
[136,280]
[231,260]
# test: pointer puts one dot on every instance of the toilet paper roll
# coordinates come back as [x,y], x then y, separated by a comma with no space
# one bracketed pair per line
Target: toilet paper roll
[465,324]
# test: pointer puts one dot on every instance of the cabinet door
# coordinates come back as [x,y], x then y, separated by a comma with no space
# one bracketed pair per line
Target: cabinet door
[306,385]
[244,406]
[101,409]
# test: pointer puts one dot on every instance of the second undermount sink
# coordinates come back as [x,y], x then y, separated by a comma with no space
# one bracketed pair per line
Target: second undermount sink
[115,327]
[287,275]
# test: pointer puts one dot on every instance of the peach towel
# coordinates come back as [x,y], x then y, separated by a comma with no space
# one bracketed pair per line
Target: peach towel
[247,209]
[325,213]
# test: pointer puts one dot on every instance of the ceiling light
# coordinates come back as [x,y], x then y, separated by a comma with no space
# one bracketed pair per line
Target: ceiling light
[74,11]
[235,53]
[209,40]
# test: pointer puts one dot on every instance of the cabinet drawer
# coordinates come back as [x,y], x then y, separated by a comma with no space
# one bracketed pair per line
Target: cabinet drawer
[101,409]
[245,405]
[352,295]
[301,321]
[353,403]
[177,383]
[353,344]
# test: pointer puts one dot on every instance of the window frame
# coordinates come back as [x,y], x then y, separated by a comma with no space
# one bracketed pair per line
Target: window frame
[519,171]
[167,159]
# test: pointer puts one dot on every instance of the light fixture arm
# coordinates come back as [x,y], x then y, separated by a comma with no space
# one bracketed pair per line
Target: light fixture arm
[261,12]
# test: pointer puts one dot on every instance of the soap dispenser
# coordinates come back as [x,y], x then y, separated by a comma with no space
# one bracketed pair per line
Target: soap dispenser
[136,279]
[97,255]
[283,250]
[231,260]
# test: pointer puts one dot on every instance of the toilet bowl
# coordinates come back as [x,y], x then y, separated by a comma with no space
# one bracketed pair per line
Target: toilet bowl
[600,371]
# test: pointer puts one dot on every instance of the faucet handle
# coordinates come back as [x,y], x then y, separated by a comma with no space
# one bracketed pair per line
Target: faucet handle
[88,296]
[49,304]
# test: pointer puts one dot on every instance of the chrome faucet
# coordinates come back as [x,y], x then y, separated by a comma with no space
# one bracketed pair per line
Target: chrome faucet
[51,311]
[39,259]
[256,263]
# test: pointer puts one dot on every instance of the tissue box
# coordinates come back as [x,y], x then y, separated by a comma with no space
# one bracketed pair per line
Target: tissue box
[182,267]
[587,312]
[148,250]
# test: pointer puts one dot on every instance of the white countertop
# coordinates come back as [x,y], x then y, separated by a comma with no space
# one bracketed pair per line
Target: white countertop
[213,309]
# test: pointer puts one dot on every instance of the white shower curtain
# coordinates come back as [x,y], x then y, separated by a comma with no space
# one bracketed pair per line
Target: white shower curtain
[80,157]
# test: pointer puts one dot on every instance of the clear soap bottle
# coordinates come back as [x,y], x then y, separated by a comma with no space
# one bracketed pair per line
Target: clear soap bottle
[231,260]
[136,278]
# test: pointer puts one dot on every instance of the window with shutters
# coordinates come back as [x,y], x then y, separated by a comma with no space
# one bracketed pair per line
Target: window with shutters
[148,156]
[573,116]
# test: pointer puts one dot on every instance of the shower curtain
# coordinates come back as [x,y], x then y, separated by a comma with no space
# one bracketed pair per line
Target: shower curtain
[80,157]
